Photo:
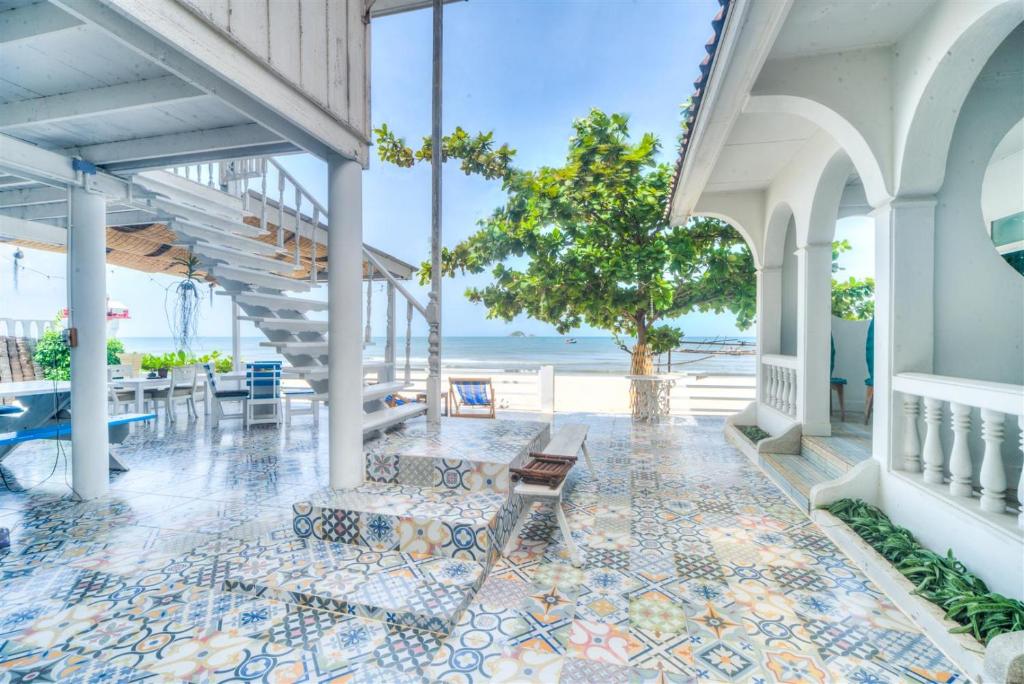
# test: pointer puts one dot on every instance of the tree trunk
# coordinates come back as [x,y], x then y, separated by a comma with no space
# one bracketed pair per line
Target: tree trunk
[640,363]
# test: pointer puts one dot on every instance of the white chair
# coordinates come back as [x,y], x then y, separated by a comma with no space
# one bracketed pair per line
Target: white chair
[263,380]
[119,397]
[182,389]
[217,397]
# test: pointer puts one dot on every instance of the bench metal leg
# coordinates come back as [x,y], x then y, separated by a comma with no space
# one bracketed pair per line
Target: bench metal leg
[586,455]
[563,524]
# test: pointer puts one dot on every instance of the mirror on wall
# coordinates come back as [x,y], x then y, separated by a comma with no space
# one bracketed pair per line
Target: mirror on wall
[1002,197]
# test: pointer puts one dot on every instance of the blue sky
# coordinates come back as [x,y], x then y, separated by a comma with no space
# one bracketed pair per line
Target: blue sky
[522,68]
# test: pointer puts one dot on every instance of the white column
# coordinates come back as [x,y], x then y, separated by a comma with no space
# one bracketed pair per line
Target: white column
[769,321]
[904,317]
[344,341]
[814,325]
[236,339]
[87,301]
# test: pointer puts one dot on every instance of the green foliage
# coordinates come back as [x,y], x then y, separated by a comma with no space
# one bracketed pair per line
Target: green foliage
[154,362]
[54,356]
[943,580]
[597,247]
[753,433]
[852,299]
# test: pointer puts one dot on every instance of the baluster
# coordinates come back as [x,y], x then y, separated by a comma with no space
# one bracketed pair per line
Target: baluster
[263,197]
[773,389]
[408,343]
[911,436]
[781,392]
[298,221]
[766,384]
[992,475]
[960,456]
[1020,482]
[368,330]
[784,386]
[312,245]
[280,210]
[209,175]
[932,451]
[792,391]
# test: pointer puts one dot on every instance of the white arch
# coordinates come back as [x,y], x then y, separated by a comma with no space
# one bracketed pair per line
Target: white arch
[840,129]
[775,234]
[966,44]
[741,210]
[828,193]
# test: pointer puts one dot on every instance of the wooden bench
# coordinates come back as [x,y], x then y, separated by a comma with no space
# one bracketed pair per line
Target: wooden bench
[565,444]
[117,428]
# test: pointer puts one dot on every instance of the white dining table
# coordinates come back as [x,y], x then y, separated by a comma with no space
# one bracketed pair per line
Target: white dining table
[139,385]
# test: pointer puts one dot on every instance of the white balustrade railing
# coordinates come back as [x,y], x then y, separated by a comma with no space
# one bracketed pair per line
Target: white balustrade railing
[778,382]
[997,404]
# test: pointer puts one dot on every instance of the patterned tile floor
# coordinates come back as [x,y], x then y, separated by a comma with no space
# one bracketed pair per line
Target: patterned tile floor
[697,569]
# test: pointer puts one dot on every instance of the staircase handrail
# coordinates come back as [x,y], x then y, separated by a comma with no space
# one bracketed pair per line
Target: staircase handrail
[379,267]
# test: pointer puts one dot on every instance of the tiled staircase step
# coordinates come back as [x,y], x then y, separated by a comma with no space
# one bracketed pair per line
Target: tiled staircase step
[409,590]
[394,517]
[795,475]
[824,461]
[843,451]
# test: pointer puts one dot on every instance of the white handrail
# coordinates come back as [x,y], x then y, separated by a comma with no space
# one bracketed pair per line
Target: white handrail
[780,360]
[995,396]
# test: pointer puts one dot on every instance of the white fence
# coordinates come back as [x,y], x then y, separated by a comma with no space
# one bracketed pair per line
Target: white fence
[778,382]
[958,466]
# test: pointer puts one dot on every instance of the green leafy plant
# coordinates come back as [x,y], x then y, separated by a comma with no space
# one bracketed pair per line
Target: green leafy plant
[54,356]
[753,433]
[852,299]
[156,362]
[588,241]
[943,580]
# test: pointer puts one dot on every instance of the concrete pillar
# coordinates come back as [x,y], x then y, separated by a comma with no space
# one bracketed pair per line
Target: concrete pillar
[769,309]
[904,310]
[814,327]
[344,341]
[87,302]
[236,339]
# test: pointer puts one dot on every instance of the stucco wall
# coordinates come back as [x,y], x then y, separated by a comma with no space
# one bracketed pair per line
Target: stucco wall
[979,299]
[851,359]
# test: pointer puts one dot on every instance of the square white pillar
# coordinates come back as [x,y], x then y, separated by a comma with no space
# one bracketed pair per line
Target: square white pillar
[344,338]
[814,328]
[87,302]
[904,310]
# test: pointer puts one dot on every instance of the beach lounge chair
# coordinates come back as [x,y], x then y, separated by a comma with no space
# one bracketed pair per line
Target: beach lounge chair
[869,382]
[181,389]
[263,380]
[471,398]
[837,384]
[217,397]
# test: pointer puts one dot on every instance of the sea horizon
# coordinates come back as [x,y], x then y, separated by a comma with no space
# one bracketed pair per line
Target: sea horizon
[588,354]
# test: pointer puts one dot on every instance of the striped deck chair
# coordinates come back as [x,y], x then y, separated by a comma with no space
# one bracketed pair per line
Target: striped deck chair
[471,398]
[263,380]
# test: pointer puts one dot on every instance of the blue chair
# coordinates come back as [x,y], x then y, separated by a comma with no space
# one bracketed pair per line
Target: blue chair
[473,394]
[869,382]
[838,385]
[217,396]
[263,381]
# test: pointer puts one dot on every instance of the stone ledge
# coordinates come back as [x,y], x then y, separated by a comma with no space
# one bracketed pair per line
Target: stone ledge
[965,651]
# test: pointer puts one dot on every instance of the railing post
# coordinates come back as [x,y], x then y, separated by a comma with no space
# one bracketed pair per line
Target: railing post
[992,476]
[408,342]
[312,245]
[389,342]
[911,437]
[298,223]
[368,329]
[960,457]
[792,391]
[263,196]
[933,455]
[280,209]
[546,388]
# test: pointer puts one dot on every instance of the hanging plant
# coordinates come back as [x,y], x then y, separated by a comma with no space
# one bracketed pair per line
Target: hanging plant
[183,312]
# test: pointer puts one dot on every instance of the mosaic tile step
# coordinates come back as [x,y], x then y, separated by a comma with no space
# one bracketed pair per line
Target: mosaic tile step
[406,590]
[795,475]
[388,517]
[455,455]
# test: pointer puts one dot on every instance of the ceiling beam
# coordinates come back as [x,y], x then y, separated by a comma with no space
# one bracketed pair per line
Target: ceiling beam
[24,197]
[97,101]
[164,150]
[23,159]
[12,228]
[25,23]
[37,212]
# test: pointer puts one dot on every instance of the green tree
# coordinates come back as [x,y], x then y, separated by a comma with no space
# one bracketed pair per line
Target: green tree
[588,242]
[852,299]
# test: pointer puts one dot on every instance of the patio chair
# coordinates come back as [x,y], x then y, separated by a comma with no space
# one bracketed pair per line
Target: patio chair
[263,380]
[217,397]
[869,382]
[119,397]
[471,398]
[838,385]
[180,389]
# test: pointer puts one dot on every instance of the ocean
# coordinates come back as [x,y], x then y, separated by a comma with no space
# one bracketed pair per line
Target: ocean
[587,355]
